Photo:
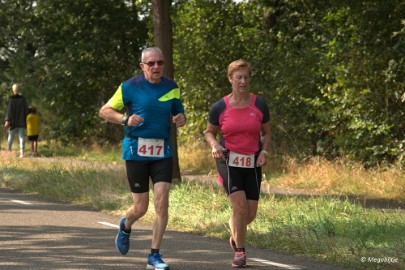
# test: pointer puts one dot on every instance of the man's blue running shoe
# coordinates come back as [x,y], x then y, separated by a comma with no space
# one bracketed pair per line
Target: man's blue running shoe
[155,262]
[122,239]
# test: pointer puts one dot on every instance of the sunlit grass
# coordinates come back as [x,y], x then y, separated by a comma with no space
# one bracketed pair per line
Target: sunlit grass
[343,178]
[195,158]
[55,149]
[99,185]
[318,175]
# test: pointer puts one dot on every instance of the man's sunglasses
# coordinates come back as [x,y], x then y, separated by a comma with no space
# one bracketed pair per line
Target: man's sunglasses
[152,64]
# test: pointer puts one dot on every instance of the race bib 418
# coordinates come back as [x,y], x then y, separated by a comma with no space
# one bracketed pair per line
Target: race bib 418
[240,160]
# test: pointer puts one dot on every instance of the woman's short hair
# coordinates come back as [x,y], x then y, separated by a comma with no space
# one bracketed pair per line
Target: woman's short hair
[238,64]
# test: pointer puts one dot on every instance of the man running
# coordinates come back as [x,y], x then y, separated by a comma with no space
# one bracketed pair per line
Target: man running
[152,102]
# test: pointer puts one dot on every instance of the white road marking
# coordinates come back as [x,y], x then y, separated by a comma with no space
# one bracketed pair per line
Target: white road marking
[20,202]
[281,265]
[108,224]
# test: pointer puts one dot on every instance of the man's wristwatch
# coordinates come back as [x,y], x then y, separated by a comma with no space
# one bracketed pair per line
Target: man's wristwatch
[124,120]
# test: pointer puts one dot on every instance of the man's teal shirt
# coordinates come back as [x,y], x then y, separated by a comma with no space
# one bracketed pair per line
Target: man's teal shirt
[155,103]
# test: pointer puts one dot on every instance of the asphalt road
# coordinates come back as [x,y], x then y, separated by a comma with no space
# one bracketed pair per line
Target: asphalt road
[38,234]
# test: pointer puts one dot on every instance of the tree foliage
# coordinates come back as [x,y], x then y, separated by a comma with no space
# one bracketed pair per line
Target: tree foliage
[332,73]
[71,56]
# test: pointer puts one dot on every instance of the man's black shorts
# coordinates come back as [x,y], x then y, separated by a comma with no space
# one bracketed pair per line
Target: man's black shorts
[139,172]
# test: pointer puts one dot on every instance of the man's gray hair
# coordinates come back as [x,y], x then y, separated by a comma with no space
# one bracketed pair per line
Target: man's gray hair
[156,49]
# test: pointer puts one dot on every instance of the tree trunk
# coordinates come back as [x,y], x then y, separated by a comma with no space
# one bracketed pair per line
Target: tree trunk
[163,36]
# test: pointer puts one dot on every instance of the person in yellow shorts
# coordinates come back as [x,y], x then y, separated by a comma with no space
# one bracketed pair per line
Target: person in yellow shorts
[33,129]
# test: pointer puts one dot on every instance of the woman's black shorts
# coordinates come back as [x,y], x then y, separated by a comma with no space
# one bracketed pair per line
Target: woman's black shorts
[236,179]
